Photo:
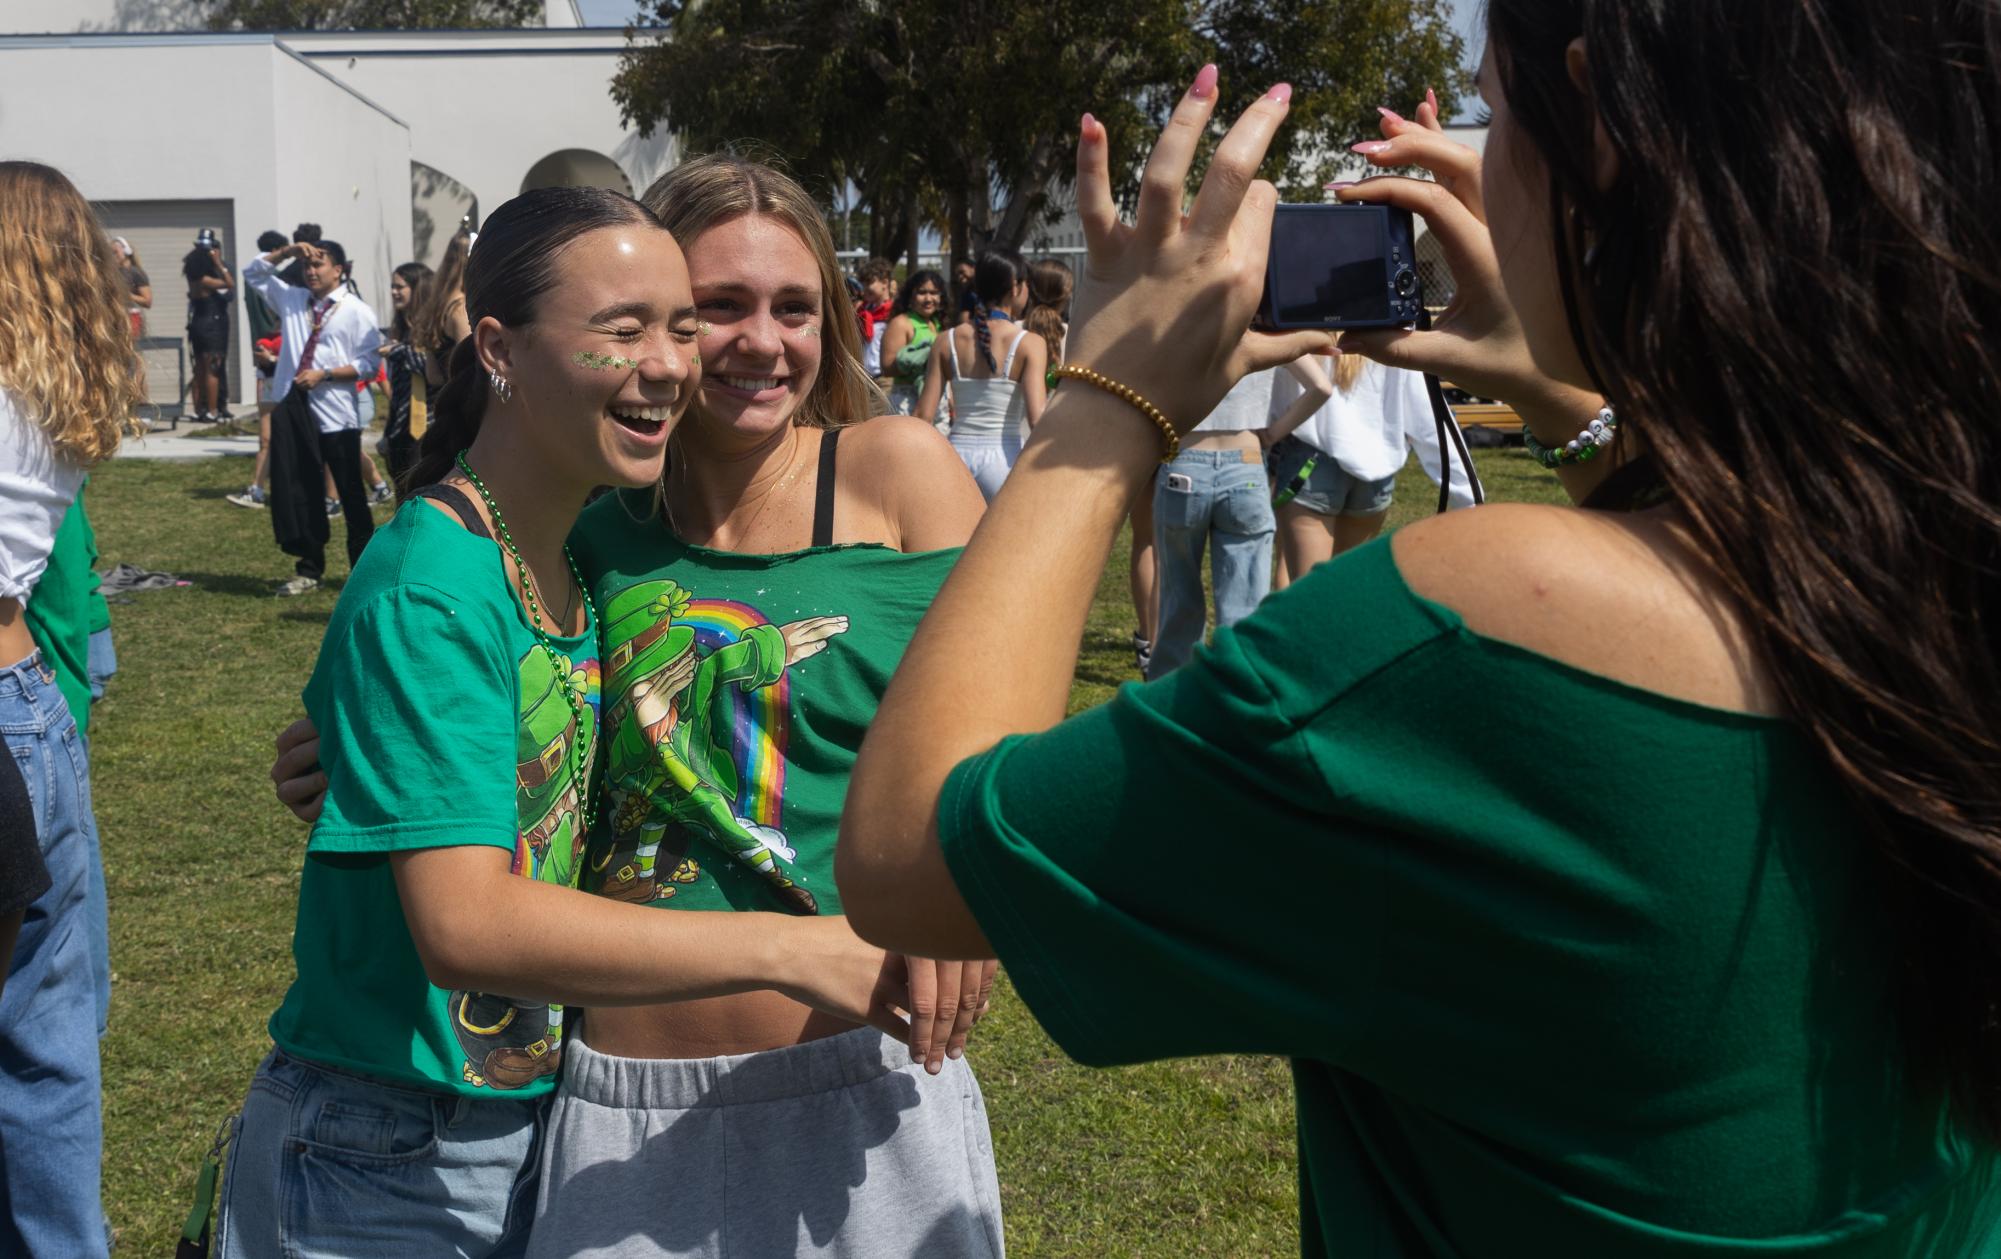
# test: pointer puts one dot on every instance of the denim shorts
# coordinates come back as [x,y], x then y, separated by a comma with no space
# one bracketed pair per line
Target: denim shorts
[1330,489]
[327,1164]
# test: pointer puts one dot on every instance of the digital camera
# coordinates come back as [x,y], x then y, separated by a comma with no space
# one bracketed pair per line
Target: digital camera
[1341,266]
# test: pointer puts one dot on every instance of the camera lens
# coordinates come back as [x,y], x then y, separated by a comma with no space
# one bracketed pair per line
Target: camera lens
[1406,282]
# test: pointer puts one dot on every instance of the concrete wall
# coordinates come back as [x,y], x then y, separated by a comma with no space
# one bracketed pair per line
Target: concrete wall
[95,108]
[485,106]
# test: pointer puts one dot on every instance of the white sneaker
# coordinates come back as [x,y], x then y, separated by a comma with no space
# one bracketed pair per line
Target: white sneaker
[381,493]
[252,497]
[298,586]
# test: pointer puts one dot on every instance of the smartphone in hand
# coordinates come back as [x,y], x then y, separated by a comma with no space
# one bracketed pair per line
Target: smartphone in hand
[1341,266]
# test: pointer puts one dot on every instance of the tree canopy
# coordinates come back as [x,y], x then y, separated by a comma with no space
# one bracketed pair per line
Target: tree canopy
[963,113]
[351,15]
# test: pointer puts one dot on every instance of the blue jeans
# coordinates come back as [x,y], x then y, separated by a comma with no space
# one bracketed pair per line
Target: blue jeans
[51,1105]
[332,1165]
[101,662]
[1205,495]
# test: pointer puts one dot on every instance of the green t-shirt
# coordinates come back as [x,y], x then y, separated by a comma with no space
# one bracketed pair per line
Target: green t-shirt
[1564,967]
[442,722]
[727,755]
[66,607]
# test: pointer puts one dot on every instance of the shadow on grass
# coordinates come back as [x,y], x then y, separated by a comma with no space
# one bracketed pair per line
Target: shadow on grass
[242,585]
[1106,659]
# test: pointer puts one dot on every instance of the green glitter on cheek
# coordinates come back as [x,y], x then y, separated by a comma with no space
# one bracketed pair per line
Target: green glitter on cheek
[603,362]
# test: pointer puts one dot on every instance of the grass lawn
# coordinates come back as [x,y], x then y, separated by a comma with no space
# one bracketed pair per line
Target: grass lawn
[203,867]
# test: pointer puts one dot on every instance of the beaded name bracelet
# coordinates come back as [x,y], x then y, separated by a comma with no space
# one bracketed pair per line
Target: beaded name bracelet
[1130,396]
[1580,449]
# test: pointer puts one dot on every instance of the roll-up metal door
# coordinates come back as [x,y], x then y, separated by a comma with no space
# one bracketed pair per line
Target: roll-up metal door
[162,233]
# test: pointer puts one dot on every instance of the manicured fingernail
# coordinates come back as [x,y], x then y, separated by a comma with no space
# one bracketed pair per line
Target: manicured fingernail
[1085,125]
[1390,114]
[1338,185]
[1205,83]
[1370,147]
[1431,99]
[1282,93]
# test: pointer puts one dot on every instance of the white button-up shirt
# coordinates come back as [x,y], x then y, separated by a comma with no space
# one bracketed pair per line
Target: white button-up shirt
[349,337]
[1373,428]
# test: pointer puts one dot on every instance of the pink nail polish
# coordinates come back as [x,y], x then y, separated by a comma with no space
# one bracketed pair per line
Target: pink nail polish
[1389,114]
[1205,83]
[1431,99]
[1282,93]
[1338,185]
[1370,148]
[1085,125]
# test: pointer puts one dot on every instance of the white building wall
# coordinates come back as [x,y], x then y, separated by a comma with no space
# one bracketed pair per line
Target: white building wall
[342,163]
[95,109]
[485,106]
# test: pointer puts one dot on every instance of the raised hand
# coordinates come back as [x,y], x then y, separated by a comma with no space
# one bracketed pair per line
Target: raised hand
[1477,343]
[809,637]
[1164,304]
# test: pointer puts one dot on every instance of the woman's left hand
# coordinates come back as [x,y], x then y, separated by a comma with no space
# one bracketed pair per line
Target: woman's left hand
[1164,305]
[946,999]
[301,783]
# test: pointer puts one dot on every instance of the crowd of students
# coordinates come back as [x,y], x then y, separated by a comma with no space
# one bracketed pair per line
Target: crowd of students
[1618,878]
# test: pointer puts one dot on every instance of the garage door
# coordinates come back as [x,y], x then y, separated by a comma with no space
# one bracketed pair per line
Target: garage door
[162,233]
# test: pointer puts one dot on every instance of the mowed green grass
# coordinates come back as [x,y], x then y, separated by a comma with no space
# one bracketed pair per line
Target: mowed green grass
[1168,1159]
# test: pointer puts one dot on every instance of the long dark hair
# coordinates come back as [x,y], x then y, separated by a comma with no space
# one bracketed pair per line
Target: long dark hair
[427,320]
[1800,319]
[416,276]
[910,283]
[995,277]
[506,274]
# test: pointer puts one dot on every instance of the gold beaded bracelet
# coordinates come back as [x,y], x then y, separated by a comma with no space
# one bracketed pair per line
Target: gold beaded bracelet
[1129,395]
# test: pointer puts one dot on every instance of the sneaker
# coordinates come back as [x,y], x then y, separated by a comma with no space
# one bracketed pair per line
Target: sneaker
[252,497]
[298,586]
[333,507]
[1142,653]
[381,493]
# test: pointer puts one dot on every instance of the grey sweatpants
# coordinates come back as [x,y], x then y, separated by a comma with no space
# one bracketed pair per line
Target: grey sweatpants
[839,1147]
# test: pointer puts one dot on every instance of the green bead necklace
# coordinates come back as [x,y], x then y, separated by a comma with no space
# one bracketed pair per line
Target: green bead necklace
[571,691]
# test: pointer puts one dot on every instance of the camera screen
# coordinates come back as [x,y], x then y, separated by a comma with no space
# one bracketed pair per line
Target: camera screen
[1329,266]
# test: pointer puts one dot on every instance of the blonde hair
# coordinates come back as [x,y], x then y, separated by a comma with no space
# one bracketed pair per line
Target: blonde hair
[700,194]
[1347,370]
[65,341]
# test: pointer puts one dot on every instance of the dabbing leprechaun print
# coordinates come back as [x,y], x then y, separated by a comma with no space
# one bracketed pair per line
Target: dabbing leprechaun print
[507,1043]
[695,736]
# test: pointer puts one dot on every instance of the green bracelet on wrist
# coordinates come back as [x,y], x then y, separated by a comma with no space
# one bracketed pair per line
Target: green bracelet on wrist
[1582,448]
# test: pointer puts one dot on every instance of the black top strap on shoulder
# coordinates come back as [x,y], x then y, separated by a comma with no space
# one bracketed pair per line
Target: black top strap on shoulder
[455,498]
[823,493]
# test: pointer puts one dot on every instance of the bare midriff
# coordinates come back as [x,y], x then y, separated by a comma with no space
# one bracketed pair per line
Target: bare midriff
[16,643]
[748,1022]
[1245,440]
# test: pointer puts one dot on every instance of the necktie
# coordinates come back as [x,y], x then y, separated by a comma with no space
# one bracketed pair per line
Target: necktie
[320,309]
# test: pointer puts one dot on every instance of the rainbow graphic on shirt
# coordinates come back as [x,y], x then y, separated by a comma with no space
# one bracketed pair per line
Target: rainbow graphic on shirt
[759,738]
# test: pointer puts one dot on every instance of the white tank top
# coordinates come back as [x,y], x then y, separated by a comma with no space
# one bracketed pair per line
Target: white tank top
[986,405]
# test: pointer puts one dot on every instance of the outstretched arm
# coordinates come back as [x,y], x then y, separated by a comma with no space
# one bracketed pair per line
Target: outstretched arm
[995,654]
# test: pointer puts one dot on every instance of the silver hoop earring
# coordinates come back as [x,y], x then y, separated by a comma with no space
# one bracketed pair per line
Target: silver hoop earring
[501,387]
